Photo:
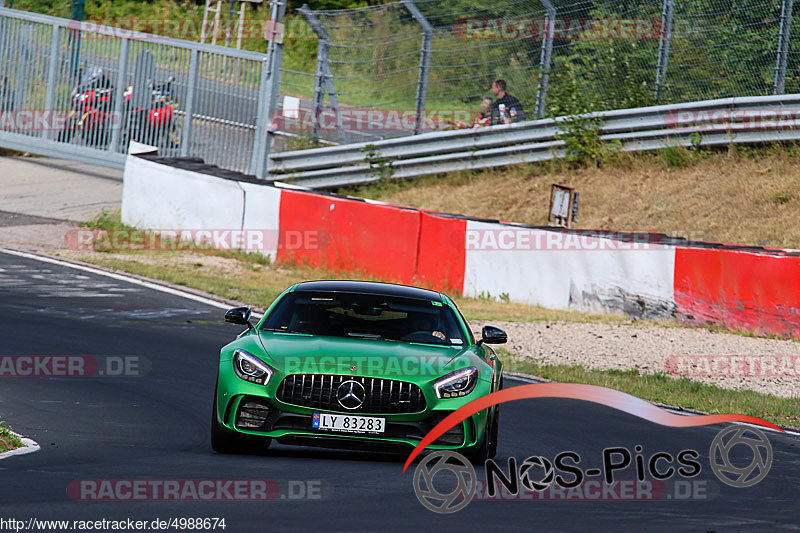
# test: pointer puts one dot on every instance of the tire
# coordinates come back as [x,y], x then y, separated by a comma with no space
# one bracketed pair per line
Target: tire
[225,442]
[493,433]
[96,137]
[479,453]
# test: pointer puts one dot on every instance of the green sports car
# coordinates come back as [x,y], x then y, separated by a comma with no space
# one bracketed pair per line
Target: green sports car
[356,365]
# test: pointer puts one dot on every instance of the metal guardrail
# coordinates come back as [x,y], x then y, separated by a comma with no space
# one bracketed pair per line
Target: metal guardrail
[707,123]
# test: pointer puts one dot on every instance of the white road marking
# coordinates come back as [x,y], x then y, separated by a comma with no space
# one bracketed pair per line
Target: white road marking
[120,277]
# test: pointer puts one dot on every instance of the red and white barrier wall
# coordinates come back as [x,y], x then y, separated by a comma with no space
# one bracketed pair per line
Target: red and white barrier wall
[639,275]
[756,291]
[565,270]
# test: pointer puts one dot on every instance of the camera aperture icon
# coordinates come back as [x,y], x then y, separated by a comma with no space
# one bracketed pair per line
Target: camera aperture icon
[537,485]
[454,464]
[722,456]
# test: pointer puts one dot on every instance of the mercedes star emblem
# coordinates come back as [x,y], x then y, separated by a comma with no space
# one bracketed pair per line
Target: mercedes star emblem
[350,394]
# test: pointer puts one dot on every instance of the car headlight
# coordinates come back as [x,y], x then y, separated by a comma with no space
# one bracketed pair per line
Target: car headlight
[250,368]
[457,384]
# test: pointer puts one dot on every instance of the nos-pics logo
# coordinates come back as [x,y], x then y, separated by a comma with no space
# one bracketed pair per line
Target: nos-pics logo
[446,482]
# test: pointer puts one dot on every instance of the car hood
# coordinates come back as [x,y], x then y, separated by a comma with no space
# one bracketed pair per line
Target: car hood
[296,354]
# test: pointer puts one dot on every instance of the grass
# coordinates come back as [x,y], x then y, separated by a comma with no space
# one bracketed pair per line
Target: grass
[739,195]
[669,390]
[8,440]
[5,152]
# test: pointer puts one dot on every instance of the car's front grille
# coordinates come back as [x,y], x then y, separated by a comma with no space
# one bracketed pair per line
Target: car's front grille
[380,396]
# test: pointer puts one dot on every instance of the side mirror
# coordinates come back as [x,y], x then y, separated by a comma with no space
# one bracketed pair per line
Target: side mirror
[239,315]
[493,335]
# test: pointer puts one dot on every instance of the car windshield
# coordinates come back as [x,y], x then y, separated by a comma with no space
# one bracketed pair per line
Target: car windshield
[366,316]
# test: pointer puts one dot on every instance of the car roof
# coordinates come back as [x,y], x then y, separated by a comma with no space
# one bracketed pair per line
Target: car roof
[368,287]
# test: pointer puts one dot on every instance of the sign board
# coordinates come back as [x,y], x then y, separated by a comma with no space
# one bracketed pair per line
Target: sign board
[291,107]
[563,206]
[271,29]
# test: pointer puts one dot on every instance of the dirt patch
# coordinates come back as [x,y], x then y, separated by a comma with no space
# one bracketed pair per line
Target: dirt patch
[207,262]
[45,238]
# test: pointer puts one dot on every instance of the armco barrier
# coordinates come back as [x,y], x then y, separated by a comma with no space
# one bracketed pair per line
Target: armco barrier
[719,122]
[641,275]
[564,271]
[156,196]
[743,290]
[354,236]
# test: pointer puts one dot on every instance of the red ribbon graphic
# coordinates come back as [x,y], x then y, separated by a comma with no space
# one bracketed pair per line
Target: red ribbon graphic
[590,393]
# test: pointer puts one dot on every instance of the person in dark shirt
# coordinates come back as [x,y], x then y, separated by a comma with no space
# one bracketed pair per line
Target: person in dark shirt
[506,109]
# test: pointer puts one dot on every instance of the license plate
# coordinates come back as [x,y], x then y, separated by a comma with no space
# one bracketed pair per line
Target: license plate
[348,423]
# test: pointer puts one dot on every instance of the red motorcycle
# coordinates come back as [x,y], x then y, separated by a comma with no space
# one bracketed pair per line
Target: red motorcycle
[91,110]
[153,122]
[91,114]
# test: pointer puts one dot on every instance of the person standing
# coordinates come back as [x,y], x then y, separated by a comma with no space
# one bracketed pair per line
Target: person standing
[506,109]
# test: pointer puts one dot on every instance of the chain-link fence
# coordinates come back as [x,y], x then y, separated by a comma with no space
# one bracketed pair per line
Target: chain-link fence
[411,66]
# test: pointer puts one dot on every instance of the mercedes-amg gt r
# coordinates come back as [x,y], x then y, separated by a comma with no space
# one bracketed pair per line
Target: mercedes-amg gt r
[357,365]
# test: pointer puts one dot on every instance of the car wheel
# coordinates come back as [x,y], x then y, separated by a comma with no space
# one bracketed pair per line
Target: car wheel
[479,453]
[223,441]
[493,433]
[495,428]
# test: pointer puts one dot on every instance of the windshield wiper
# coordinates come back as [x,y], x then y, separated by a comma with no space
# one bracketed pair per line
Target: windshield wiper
[374,336]
[278,330]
